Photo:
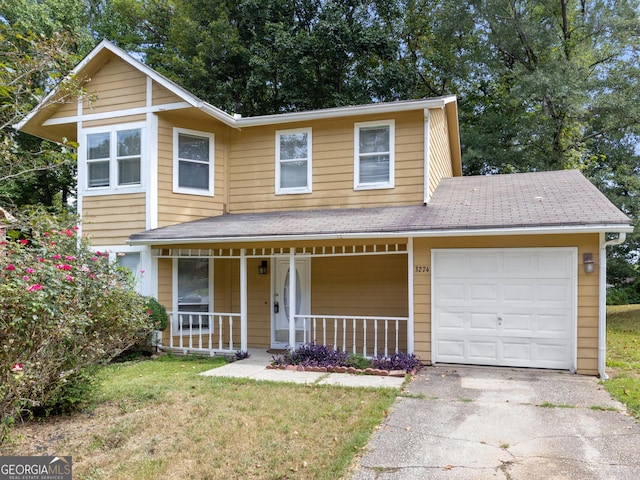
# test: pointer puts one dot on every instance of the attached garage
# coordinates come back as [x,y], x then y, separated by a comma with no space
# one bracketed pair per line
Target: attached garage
[505,307]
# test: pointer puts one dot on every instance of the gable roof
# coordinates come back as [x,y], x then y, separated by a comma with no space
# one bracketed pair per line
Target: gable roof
[545,202]
[34,121]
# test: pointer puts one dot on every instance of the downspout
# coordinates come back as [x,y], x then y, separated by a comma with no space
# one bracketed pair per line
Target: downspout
[427,129]
[602,314]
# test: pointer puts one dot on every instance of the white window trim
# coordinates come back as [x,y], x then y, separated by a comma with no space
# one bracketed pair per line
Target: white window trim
[113,188]
[176,162]
[356,155]
[294,190]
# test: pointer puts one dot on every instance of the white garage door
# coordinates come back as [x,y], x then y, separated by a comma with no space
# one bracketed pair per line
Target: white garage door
[507,307]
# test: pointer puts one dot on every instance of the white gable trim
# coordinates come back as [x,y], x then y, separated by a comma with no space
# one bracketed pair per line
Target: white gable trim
[235,121]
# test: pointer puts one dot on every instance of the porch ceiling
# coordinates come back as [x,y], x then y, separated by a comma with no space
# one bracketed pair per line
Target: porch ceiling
[559,199]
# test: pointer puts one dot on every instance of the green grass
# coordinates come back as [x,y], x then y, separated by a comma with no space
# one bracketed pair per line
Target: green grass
[160,419]
[556,405]
[623,355]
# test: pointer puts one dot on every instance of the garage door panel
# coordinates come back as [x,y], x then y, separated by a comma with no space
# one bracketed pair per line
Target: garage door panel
[513,307]
[558,292]
[518,324]
[517,352]
[450,292]
[483,292]
[517,263]
[483,323]
[551,355]
[451,320]
[451,350]
[483,265]
[518,292]
[553,324]
[482,351]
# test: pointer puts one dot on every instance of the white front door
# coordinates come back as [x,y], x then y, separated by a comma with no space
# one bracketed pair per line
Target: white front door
[280,303]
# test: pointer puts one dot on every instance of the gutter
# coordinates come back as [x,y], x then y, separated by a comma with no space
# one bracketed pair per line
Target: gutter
[602,302]
[621,229]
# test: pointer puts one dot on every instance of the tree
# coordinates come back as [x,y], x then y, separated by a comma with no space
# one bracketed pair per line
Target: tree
[39,44]
[258,57]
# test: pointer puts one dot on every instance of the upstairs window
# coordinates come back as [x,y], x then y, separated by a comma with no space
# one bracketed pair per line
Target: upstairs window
[114,158]
[193,162]
[293,161]
[374,155]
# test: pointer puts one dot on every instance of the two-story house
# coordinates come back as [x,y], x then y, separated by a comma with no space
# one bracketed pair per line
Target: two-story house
[348,226]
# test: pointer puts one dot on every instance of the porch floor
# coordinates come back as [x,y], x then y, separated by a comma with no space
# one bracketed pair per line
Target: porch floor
[255,368]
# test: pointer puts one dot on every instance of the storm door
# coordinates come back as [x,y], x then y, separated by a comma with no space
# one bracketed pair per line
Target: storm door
[281,301]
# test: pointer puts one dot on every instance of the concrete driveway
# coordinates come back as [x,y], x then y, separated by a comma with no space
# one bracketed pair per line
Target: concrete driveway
[505,424]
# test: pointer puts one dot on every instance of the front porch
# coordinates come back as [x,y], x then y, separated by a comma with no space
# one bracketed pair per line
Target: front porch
[354,298]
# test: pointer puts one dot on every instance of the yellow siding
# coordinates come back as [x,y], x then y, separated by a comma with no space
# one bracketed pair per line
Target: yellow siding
[252,167]
[64,109]
[114,121]
[175,207]
[439,151]
[162,96]
[587,287]
[116,86]
[111,219]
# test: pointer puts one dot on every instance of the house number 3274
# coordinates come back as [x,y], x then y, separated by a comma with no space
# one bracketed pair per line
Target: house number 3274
[422,269]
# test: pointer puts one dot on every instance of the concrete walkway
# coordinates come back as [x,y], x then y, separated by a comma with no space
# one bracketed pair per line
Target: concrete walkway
[503,424]
[255,368]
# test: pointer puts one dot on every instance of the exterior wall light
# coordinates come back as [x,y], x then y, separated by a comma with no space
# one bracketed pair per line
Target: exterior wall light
[587,260]
[262,268]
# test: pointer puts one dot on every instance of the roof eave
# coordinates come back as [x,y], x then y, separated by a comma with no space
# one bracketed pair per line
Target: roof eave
[464,232]
[155,76]
[338,112]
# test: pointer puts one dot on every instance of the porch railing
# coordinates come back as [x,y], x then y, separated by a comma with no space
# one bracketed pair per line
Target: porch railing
[363,335]
[204,331]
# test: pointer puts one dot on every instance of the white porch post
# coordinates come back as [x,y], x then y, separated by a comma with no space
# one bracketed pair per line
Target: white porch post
[243,300]
[410,338]
[292,299]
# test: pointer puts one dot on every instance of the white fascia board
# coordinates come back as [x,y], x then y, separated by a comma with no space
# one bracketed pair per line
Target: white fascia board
[329,113]
[155,76]
[237,121]
[399,234]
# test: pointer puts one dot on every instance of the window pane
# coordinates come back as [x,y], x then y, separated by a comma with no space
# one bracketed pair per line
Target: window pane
[374,139]
[193,148]
[293,174]
[98,146]
[193,282]
[374,169]
[293,145]
[130,261]
[128,143]
[98,174]
[193,175]
[285,294]
[129,171]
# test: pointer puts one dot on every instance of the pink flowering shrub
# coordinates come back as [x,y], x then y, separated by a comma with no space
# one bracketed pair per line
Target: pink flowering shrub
[63,310]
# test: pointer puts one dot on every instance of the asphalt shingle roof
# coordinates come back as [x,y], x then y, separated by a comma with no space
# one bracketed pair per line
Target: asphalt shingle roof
[524,200]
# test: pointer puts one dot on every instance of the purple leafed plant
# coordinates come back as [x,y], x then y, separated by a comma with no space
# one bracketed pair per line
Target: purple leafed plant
[315,355]
[312,355]
[397,361]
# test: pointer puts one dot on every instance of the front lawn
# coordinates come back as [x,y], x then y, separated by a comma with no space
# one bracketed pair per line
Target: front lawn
[160,419]
[623,355]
